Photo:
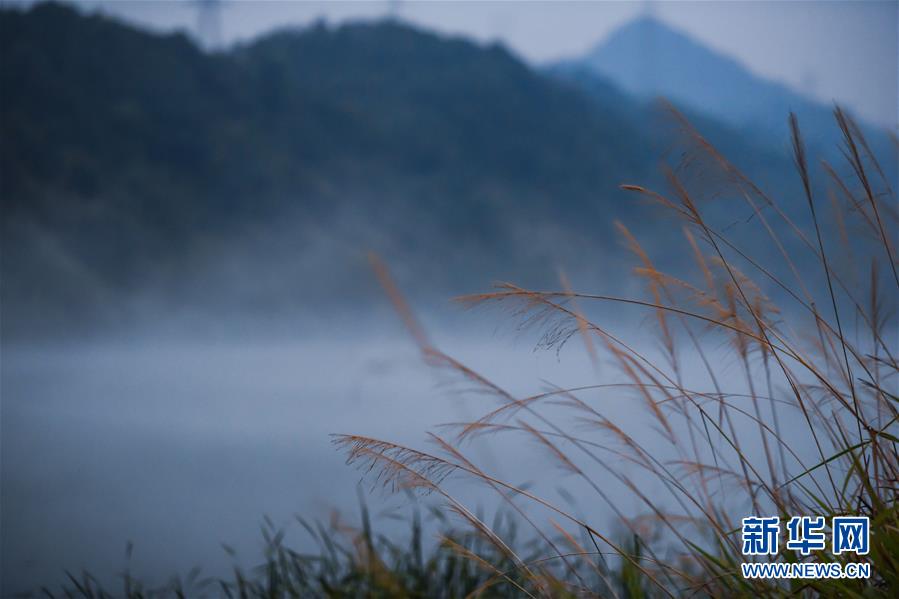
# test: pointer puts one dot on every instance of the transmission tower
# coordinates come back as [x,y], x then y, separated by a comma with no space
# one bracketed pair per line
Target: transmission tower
[209,23]
[393,9]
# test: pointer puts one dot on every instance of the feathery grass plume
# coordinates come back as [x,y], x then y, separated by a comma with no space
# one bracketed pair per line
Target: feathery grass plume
[810,427]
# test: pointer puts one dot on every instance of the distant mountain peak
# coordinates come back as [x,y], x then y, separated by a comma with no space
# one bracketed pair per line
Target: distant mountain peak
[648,24]
[653,33]
[649,58]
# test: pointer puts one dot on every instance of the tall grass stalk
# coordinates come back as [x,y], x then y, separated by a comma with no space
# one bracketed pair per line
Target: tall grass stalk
[808,427]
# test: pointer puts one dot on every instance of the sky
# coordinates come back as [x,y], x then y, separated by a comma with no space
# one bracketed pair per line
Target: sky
[845,51]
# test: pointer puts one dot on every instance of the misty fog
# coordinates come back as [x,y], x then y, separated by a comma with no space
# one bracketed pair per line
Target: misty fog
[190,309]
[179,447]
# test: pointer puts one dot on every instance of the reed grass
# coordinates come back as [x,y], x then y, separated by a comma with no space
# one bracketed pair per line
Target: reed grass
[806,424]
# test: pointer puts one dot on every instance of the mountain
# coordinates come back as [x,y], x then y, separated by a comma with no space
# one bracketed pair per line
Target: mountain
[649,59]
[133,161]
[141,175]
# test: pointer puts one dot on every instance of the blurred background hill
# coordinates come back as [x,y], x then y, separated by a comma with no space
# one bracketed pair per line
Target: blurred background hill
[649,59]
[141,172]
[130,157]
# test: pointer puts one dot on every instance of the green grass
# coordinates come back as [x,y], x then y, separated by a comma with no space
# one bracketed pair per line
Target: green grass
[349,561]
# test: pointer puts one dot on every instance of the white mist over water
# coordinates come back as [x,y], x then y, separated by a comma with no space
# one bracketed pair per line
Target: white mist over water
[179,447]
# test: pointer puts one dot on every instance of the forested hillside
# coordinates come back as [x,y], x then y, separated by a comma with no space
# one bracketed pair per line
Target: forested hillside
[138,169]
